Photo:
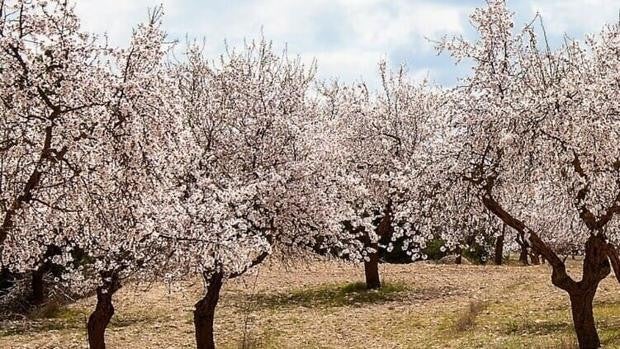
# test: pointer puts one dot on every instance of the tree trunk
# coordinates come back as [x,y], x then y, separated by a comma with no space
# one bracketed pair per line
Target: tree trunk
[100,318]
[204,312]
[499,247]
[459,255]
[371,267]
[38,295]
[583,320]
[371,270]
[534,258]
[523,255]
[596,267]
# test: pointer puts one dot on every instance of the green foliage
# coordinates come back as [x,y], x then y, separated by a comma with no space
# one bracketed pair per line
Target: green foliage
[477,254]
[433,249]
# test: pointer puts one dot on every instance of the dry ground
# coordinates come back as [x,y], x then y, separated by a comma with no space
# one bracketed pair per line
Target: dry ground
[319,305]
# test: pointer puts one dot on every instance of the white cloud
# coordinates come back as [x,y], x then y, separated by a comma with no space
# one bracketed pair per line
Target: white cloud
[347,65]
[576,16]
[116,18]
[405,22]
[348,37]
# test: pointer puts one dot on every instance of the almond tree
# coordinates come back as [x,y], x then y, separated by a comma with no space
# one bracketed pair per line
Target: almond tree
[248,181]
[52,81]
[385,142]
[132,160]
[85,137]
[539,135]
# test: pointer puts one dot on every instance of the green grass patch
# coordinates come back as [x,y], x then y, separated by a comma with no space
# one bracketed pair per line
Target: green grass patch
[50,317]
[530,327]
[333,295]
[58,312]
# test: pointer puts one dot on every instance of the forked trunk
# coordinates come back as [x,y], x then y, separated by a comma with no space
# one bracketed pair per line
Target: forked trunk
[583,320]
[204,312]
[100,318]
[596,267]
[371,270]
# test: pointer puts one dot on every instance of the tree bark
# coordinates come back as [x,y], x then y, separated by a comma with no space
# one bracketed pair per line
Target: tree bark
[38,295]
[204,312]
[371,270]
[459,255]
[583,319]
[104,310]
[499,247]
[534,258]
[523,255]
[371,267]
[596,267]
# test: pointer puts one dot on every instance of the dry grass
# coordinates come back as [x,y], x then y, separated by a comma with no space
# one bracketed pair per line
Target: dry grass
[323,305]
[467,319]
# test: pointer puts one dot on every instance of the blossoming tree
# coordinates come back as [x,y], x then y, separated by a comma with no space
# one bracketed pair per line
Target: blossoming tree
[539,131]
[250,176]
[85,140]
[386,142]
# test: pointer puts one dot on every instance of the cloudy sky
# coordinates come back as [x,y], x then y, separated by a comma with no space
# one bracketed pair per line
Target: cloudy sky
[347,37]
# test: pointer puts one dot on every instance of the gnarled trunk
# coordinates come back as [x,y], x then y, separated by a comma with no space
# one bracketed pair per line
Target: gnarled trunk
[104,310]
[596,267]
[204,312]
[583,319]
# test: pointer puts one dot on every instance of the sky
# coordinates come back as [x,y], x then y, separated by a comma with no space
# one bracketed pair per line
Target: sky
[346,37]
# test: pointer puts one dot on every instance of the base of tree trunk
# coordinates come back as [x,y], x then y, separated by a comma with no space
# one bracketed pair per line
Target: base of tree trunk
[99,320]
[104,310]
[371,271]
[523,256]
[204,311]
[583,320]
[499,250]
[38,295]
[595,268]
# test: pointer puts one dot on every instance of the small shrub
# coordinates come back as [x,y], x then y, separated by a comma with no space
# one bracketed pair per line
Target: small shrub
[434,250]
